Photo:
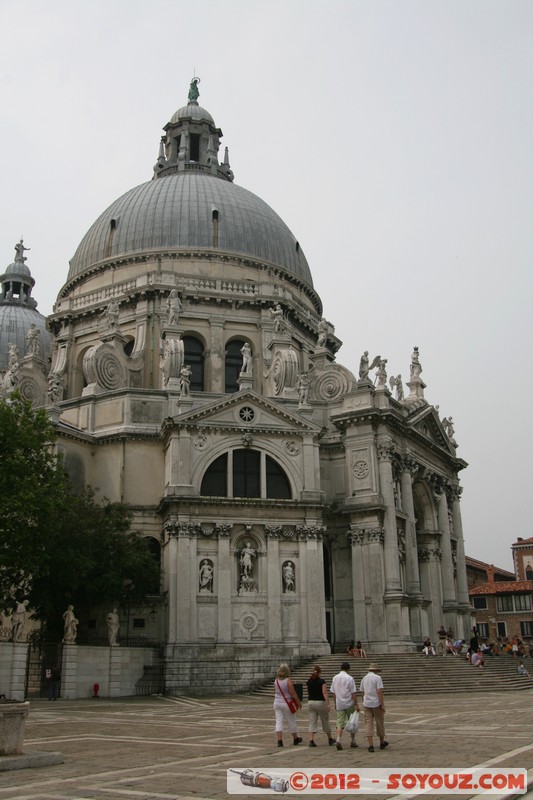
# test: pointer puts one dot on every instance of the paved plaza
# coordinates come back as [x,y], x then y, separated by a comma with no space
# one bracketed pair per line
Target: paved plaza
[165,748]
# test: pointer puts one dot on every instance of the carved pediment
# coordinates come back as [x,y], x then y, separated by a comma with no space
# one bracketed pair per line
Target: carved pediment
[244,410]
[426,422]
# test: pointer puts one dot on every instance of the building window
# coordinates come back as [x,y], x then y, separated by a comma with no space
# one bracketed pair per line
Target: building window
[246,473]
[194,357]
[246,478]
[195,147]
[215,480]
[138,622]
[483,630]
[526,629]
[480,602]
[278,486]
[504,602]
[233,365]
[522,602]
[502,629]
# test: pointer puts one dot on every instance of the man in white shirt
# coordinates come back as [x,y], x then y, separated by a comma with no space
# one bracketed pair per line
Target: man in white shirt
[344,691]
[373,707]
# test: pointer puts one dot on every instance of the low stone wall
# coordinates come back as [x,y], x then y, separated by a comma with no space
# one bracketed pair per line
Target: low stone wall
[115,669]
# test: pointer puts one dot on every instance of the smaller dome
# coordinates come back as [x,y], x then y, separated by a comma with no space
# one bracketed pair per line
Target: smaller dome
[192,111]
[19,269]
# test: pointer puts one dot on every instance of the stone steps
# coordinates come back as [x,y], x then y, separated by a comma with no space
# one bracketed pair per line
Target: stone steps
[414,673]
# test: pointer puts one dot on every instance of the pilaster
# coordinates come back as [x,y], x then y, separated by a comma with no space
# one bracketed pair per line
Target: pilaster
[274,583]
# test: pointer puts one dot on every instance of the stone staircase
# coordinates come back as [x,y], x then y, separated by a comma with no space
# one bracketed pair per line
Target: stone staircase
[415,673]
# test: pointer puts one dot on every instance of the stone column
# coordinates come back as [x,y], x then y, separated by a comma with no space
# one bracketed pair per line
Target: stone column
[273,533]
[217,356]
[449,600]
[360,568]
[386,485]
[412,572]
[224,582]
[410,468]
[462,583]
[312,578]
[172,572]
[186,608]
[430,556]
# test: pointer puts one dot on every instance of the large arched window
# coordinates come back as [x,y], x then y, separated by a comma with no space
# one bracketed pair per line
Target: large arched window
[194,357]
[233,365]
[246,473]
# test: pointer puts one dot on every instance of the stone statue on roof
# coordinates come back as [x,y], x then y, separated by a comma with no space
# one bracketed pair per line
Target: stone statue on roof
[194,94]
[19,249]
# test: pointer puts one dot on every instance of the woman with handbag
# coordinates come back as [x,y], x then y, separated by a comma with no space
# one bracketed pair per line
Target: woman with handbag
[286,704]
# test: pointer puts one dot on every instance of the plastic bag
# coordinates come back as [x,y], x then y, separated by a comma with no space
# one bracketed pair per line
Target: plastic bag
[352,726]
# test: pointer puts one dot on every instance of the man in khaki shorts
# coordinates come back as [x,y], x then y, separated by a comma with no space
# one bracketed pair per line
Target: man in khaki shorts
[344,691]
[373,706]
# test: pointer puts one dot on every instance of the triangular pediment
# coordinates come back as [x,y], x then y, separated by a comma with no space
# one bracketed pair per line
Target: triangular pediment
[247,409]
[426,422]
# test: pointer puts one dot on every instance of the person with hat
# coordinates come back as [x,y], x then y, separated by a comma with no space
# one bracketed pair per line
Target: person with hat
[371,689]
[344,691]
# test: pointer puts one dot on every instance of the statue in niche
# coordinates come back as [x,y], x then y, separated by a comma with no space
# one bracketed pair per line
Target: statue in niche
[185,380]
[416,367]
[322,333]
[174,307]
[111,315]
[70,626]
[205,575]
[247,365]
[33,345]
[396,383]
[246,560]
[279,323]
[113,625]
[365,366]
[381,374]
[302,387]
[288,575]
[18,620]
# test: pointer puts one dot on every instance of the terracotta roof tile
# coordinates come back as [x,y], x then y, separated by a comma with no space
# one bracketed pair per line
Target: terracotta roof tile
[502,587]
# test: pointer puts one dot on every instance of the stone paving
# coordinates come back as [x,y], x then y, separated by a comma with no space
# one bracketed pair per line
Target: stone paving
[173,748]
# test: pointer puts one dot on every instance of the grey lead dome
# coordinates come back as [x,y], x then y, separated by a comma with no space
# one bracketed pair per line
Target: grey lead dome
[176,212]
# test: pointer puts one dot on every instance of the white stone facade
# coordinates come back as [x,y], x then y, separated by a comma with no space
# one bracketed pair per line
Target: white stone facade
[200,385]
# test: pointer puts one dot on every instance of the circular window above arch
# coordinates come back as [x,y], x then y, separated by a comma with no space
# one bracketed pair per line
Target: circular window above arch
[247,414]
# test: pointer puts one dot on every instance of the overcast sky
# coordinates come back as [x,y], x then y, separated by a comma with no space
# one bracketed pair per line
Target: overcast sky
[394,137]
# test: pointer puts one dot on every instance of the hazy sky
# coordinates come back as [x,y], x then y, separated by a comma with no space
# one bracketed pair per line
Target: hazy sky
[394,137]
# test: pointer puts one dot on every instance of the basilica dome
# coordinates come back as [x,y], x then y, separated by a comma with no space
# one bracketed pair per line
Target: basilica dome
[191,204]
[176,212]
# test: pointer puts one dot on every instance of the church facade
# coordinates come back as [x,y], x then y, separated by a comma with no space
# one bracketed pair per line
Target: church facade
[294,504]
